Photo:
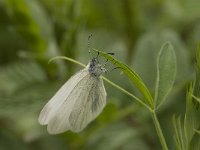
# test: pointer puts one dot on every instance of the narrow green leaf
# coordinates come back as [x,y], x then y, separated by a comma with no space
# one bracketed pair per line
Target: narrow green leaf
[192,121]
[134,77]
[197,131]
[178,134]
[196,98]
[166,73]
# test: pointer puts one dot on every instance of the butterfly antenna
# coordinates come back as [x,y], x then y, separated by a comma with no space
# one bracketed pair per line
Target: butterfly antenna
[89,51]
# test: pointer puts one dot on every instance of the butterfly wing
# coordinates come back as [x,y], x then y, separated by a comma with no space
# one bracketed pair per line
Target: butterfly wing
[50,109]
[60,121]
[89,106]
[88,97]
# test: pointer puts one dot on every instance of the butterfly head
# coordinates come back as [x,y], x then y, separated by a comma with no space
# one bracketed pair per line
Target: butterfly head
[95,68]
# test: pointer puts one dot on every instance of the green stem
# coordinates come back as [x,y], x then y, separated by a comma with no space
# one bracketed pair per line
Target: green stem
[66,58]
[196,98]
[127,93]
[159,130]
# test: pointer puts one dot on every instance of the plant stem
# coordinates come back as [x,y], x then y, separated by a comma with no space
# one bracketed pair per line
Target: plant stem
[127,93]
[159,130]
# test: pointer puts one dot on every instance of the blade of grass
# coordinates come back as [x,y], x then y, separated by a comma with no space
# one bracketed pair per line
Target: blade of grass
[192,121]
[196,98]
[179,140]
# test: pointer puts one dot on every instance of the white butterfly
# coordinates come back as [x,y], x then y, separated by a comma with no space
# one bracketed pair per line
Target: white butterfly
[79,101]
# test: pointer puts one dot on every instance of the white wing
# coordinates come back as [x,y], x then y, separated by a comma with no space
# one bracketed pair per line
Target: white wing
[50,109]
[87,100]
[90,106]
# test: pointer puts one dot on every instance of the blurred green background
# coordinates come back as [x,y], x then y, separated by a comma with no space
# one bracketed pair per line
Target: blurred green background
[33,31]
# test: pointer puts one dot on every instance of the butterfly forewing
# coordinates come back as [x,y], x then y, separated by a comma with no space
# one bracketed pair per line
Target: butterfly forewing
[60,97]
[60,122]
[90,105]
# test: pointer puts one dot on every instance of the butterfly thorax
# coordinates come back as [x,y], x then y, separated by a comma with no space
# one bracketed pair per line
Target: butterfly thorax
[95,68]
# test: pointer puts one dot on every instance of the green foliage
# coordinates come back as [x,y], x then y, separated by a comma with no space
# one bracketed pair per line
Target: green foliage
[15,81]
[135,79]
[192,114]
[113,136]
[188,138]
[32,32]
[166,73]
[147,50]
[24,14]
[179,134]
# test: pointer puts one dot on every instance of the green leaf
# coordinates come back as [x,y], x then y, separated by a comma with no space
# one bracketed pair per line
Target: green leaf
[192,122]
[132,75]
[196,98]
[166,73]
[146,53]
[195,142]
[178,134]
[31,22]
